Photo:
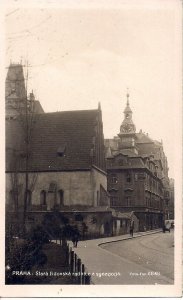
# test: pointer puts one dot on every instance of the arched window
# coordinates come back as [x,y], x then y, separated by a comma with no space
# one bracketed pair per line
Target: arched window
[12,200]
[29,199]
[61,197]
[43,197]
[128,177]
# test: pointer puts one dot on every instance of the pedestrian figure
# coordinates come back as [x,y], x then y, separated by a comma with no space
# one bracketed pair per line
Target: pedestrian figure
[76,240]
[73,240]
[166,226]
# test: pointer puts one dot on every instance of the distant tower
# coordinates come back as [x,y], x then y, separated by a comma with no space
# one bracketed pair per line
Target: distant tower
[127,125]
[127,129]
[15,91]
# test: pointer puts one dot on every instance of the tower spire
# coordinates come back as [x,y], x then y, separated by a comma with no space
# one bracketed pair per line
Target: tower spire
[127,125]
[127,96]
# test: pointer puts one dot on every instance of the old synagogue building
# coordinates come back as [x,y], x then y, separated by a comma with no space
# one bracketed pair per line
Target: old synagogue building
[54,162]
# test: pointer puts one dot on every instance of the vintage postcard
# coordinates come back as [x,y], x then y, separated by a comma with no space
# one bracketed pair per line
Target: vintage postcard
[91,148]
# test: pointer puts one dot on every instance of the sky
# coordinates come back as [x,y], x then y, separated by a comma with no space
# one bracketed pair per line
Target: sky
[84,52]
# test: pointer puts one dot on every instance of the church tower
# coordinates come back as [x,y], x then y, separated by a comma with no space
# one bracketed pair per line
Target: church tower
[16,96]
[15,91]
[127,130]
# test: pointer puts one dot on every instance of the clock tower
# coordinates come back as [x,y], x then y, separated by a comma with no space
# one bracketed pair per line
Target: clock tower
[127,130]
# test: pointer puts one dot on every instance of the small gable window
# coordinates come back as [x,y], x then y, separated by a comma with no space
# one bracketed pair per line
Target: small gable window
[61,150]
[52,187]
[121,162]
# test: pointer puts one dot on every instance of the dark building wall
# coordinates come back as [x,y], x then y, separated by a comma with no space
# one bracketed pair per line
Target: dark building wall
[128,186]
[137,190]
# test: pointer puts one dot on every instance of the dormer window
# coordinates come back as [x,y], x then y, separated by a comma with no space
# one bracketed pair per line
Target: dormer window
[121,162]
[61,150]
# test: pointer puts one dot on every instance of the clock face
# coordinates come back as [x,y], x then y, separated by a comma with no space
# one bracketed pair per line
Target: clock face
[127,128]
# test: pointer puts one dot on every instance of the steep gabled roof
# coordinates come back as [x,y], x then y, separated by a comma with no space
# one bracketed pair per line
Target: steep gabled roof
[72,131]
[37,107]
[142,138]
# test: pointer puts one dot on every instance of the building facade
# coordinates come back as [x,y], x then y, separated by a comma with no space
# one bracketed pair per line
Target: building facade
[55,162]
[137,174]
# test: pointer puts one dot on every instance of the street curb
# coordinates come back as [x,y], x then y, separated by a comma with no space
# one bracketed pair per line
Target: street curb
[128,238]
[123,239]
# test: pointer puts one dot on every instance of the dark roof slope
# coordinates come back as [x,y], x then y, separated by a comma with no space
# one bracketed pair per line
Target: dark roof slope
[60,141]
[37,107]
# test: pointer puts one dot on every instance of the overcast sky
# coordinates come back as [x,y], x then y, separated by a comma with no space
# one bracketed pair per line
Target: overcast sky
[81,53]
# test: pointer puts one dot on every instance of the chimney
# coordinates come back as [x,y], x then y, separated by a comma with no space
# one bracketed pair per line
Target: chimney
[31,96]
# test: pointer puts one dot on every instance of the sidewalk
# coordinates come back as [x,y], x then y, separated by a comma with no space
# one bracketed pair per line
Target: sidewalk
[108,268]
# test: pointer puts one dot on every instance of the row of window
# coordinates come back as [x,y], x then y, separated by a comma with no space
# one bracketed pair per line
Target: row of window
[128,177]
[150,182]
[153,184]
[43,197]
[153,203]
[115,201]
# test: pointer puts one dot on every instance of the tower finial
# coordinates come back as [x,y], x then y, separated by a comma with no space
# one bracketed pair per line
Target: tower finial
[99,106]
[127,95]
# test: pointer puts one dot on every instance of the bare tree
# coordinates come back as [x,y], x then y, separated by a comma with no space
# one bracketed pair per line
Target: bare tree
[26,118]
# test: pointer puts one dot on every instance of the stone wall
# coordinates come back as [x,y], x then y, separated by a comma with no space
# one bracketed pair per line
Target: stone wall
[99,179]
[77,188]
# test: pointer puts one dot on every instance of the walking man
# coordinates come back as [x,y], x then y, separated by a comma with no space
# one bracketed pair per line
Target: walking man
[76,240]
